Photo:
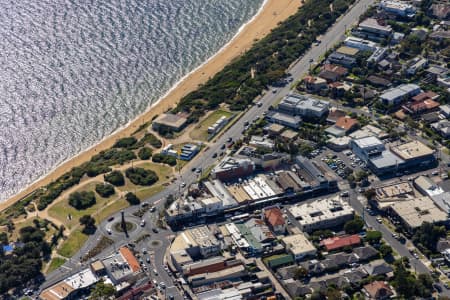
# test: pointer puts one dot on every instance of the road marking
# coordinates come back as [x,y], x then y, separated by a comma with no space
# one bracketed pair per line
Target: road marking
[66,267]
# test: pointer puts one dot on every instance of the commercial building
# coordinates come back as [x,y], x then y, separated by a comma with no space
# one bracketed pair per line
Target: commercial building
[413,212]
[188,151]
[169,122]
[368,130]
[227,274]
[395,96]
[427,187]
[398,8]
[284,119]
[260,230]
[360,44]
[70,287]
[275,219]
[316,174]
[374,27]
[367,147]
[217,189]
[299,246]
[122,266]
[415,154]
[322,214]
[231,168]
[261,142]
[305,106]
[394,191]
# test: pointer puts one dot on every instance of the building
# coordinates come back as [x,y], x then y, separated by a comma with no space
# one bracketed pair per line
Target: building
[340,242]
[412,213]
[445,110]
[304,106]
[378,290]
[393,192]
[260,230]
[332,72]
[243,238]
[218,125]
[169,122]
[211,277]
[347,51]
[314,84]
[261,142]
[395,96]
[343,126]
[322,214]
[427,187]
[339,143]
[275,219]
[373,26]
[442,127]
[316,175]
[198,242]
[122,266]
[188,151]
[415,154]
[398,8]
[231,168]
[217,189]
[416,64]
[342,59]
[377,55]
[367,147]
[368,130]
[275,129]
[70,287]
[360,44]
[440,10]
[299,246]
[284,119]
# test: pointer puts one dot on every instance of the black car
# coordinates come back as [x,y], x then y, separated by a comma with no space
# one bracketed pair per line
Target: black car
[214,155]
[110,219]
[155,230]
[229,140]
[223,146]
[193,169]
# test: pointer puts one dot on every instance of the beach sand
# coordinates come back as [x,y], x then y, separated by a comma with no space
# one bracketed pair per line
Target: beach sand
[268,18]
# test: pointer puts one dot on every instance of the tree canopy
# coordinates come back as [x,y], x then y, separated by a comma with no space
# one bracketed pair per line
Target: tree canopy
[82,200]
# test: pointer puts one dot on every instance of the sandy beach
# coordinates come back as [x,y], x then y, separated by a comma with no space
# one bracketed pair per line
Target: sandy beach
[273,12]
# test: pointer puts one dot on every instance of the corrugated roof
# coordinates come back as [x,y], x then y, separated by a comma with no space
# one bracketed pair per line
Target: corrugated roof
[130,259]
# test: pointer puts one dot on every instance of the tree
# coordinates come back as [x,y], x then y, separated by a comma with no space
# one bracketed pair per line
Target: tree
[385,250]
[102,291]
[373,236]
[140,176]
[300,273]
[354,226]
[145,153]
[89,224]
[132,198]
[427,236]
[82,200]
[104,189]
[115,178]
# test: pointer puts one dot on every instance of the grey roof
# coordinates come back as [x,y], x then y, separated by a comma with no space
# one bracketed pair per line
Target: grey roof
[365,252]
[287,272]
[296,288]
[377,268]
[399,91]
[386,159]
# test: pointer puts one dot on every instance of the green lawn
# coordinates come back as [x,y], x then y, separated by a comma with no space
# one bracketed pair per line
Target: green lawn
[62,209]
[48,232]
[55,263]
[72,244]
[200,131]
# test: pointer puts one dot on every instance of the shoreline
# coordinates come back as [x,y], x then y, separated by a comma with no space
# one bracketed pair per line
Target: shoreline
[267,18]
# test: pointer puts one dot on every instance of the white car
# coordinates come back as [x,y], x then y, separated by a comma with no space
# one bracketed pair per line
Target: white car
[142,223]
[183,184]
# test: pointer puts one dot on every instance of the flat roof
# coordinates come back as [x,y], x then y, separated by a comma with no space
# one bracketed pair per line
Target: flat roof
[298,244]
[239,193]
[393,190]
[412,150]
[347,50]
[170,120]
[418,210]
[369,141]
[289,134]
[386,159]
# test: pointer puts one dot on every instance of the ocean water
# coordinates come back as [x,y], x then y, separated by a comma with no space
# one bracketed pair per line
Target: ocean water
[73,72]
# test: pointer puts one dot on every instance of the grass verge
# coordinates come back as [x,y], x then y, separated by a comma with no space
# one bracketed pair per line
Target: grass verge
[55,263]
[72,244]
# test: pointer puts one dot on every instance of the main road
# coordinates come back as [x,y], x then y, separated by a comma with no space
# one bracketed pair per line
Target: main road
[335,34]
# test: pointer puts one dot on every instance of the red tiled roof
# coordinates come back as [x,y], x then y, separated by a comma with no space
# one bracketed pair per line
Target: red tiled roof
[335,69]
[130,259]
[378,289]
[346,123]
[425,95]
[424,105]
[274,216]
[335,243]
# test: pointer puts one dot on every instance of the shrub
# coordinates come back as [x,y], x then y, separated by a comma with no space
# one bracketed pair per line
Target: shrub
[82,200]
[104,189]
[145,153]
[151,139]
[89,224]
[115,178]
[127,143]
[165,159]
[141,176]
[132,198]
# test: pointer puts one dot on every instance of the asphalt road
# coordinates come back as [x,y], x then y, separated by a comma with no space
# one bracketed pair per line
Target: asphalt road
[205,159]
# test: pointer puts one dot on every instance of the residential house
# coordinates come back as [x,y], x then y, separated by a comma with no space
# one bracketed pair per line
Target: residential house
[332,72]
[341,59]
[275,219]
[398,8]
[378,290]
[395,96]
[339,242]
[314,84]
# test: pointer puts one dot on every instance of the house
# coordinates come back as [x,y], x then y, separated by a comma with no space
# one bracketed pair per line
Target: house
[414,65]
[284,119]
[347,124]
[365,253]
[339,242]
[342,59]
[377,268]
[378,55]
[442,127]
[398,8]
[440,10]
[376,27]
[445,110]
[278,261]
[314,84]
[361,44]
[275,219]
[378,290]
[419,107]
[305,106]
[347,51]
[332,72]
[378,81]
[335,114]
